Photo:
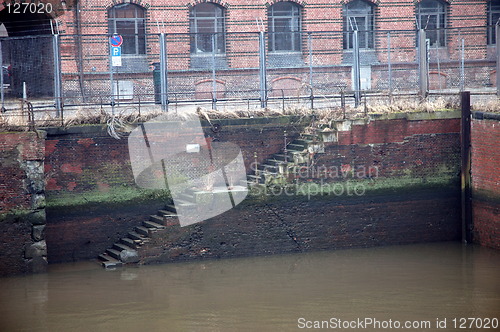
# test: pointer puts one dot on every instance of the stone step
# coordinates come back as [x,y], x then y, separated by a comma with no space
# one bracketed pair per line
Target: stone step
[246,183]
[152,225]
[136,237]
[187,197]
[170,207]
[296,147]
[120,246]
[185,204]
[156,219]
[309,136]
[305,142]
[281,157]
[268,167]
[103,257]
[142,230]
[109,262]
[113,253]
[129,242]
[254,179]
[165,213]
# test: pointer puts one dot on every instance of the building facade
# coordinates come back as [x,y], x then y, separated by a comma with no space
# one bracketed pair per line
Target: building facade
[306,44]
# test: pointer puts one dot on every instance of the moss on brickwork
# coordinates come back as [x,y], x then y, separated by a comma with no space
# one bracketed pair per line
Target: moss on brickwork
[354,187]
[115,196]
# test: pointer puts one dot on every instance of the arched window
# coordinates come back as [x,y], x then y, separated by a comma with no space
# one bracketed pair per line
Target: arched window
[128,20]
[358,15]
[207,28]
[431,16]
[284,27]
[493,17]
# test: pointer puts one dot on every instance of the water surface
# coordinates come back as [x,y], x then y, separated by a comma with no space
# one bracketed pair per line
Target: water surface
[404,283]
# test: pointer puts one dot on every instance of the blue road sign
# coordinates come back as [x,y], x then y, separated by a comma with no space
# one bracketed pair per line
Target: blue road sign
[116,51]
[116,40]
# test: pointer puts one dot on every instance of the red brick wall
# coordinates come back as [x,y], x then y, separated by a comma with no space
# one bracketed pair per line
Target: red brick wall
[16,148]
[485,169]
[22,203]
[78,161]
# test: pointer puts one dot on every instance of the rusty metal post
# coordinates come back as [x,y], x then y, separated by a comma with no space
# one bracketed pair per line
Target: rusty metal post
[465,173]
[497,31]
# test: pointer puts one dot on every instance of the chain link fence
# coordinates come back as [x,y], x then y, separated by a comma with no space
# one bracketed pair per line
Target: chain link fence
[62,74]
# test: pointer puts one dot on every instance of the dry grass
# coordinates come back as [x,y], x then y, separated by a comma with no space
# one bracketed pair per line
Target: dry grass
[492,106]
[17,120]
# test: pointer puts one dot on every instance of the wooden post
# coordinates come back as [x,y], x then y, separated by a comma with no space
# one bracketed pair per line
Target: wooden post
[465,173]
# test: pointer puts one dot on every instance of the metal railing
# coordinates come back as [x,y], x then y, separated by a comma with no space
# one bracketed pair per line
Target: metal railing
[68,74]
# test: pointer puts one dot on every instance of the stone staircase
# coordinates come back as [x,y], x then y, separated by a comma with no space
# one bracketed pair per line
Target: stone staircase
[126,250]
[296,153]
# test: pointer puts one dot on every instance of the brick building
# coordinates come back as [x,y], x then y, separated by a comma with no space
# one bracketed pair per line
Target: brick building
[223,35]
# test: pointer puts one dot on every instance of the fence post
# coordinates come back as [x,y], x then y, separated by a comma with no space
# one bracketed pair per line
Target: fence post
[356,70]
[466,168]
[497,37]
[214,82]
[389,65]
[112,95]
[57,75]
[439,67]
[309,43]
[462,66]
[422,64]
[262,70]
[1,81]
[163,73]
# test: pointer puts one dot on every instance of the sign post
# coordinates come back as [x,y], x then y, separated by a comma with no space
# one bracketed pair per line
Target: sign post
[115,54]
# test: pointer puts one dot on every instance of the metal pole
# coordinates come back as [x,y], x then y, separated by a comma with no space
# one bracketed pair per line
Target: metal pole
[422,64]
[439,67]
[163,73]
[497,37]
[214,82]
[465,171]
[1,80]
[309,43]
[357,74]
[262,70]
[462,66]
[389,65]
[57,75]
[112,96]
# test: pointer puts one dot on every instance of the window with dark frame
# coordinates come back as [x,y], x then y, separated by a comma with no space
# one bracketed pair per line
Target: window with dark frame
[284,27]
[493,17]
[431,16]
[128,20]
[207,23]
[359,15]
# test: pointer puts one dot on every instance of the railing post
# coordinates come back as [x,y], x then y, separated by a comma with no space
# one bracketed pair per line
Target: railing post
[57,75]
[497,37]
[422,64]
[1,81]
[356,69]
[462,66]
[465,171]
[111,81]
[309,43]
[163,73]
[389,65]
[214,82]
[262,70]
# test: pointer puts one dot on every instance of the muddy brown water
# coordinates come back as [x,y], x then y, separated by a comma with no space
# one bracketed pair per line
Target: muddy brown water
[413,283]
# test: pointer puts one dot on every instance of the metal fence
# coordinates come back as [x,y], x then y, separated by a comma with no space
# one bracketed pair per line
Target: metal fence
[61,73]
